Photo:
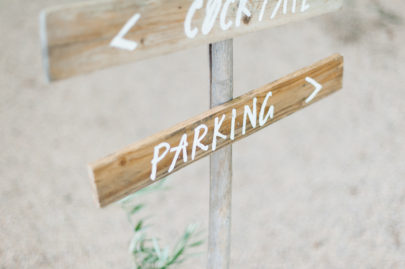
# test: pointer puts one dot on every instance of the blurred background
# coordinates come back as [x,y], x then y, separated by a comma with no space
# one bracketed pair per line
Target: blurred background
[323,188]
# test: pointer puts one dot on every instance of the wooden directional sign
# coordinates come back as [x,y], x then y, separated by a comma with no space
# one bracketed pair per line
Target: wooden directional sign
[149,160]
[83,37]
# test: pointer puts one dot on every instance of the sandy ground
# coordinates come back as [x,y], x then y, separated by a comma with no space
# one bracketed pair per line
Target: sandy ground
[324,188]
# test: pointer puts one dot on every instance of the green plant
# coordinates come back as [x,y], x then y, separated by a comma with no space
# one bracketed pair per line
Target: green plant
[146,250]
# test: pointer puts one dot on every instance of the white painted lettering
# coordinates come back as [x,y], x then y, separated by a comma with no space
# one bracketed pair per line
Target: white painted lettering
[232,136]
[294,6]
[251,114]
[158,157]
[198,138]
[211,13]
[182,147]
[191,33]
[242,10]
[275,10]
[217,127]
[305,6]
[263,9]
[270,113]
[285,7]
[221,8]
[225,25]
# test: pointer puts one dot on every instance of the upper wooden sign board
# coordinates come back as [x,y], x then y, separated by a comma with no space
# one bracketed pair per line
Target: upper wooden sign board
[84,37]
[157,156]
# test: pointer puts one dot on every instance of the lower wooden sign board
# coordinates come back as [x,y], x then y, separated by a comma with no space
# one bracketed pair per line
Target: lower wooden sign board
[154,158]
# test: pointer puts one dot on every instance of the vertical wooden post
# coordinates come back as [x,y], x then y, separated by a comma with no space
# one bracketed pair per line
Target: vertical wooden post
[219,239]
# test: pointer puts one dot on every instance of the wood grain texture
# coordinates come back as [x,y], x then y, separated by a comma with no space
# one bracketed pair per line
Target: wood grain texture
[76,38]
[219,236]
[129,170]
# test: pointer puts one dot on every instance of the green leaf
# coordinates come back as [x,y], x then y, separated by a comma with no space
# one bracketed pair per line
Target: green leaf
[136,208]
[196,244]
[156,247]
[176,256]
[146,251]
[138,226]
[165,256]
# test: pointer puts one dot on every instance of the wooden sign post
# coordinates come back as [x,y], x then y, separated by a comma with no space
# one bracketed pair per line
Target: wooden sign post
[84,37]
[219,236]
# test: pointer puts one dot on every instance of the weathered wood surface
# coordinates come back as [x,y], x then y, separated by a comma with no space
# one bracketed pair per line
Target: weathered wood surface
[219,236]
[83,37]
[132,168]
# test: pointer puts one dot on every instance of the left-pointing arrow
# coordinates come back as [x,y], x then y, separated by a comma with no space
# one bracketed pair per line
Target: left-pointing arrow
[119,41]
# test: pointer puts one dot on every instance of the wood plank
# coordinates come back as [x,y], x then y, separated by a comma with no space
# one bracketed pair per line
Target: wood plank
[77,38]
[132,168]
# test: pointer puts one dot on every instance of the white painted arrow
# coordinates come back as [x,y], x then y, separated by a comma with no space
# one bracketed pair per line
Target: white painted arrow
[318,88]
[119,41]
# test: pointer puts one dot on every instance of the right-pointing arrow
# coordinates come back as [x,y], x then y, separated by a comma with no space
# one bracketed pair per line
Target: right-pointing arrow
[318,88]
